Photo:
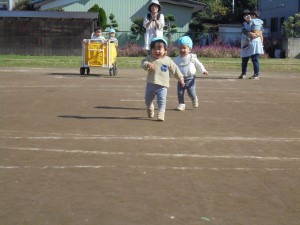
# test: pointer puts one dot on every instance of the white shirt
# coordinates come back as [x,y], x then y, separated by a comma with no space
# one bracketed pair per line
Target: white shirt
[152,31]
[189,65]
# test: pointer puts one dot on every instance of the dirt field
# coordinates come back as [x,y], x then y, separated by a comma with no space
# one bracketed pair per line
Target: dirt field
[80,150]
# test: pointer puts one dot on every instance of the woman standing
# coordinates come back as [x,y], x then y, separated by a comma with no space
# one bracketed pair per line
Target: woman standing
[154,23]
[254,49]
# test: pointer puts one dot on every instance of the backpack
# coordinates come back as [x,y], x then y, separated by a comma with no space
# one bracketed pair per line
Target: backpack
[149,17]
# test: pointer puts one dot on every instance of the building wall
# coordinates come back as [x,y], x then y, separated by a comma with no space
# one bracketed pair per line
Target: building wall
[292,48]
[38,36]
[273,12]
[124,11]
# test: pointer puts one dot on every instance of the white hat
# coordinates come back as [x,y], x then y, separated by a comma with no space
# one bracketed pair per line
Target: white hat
[156,2]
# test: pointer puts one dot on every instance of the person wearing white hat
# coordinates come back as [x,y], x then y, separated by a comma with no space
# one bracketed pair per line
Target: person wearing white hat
[154,23]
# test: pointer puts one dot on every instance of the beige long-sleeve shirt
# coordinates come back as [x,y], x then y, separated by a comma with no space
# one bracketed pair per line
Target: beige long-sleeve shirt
[161,75]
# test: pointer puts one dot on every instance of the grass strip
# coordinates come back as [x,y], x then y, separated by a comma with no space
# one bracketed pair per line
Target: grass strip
[283,65]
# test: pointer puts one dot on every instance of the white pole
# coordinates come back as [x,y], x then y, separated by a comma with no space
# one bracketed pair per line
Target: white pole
[10,5]
[232,6]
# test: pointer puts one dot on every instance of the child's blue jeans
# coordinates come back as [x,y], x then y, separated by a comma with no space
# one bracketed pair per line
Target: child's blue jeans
[190,86]
[160,92]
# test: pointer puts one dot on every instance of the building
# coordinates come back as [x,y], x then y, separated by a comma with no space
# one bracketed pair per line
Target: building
[126,10]
[274,12]
[6,4]
[44,33]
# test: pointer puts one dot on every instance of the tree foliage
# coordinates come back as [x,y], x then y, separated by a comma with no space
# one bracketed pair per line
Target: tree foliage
[291,26]
[137,29]
[170,26]
[102,18]
[23,5]
[113,23]
[220,11]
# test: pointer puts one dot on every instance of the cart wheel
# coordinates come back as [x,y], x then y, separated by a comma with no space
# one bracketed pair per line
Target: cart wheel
[110,71]
[115,70]
[88,71]
[82,70]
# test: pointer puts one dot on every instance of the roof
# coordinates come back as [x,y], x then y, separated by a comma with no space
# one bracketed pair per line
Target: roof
[49,14]
[40,3]
[187,3]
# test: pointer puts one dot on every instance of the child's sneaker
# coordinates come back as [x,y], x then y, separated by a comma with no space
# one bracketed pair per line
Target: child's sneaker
[242,76]
[181,107]
[195,102]
[161,116]
[150,111]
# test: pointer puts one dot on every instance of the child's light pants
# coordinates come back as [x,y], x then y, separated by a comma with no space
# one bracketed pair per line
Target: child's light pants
[190,86]
[160,92]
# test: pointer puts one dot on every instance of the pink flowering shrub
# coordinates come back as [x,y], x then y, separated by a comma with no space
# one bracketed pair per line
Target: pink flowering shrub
[217,51]
[131,49]
[210,51]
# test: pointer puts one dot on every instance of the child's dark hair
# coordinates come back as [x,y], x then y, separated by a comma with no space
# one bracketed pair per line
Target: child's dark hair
[97,28]
[160,42]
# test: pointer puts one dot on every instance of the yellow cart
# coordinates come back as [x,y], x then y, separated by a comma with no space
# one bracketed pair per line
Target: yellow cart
[97,53]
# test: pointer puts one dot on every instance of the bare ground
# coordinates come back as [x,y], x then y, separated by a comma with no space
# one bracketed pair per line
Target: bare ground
[80,150]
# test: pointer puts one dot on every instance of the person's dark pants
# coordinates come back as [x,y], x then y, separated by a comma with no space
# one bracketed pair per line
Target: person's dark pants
[255,61]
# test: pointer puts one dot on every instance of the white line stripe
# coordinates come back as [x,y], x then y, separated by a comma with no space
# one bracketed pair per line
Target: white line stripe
[161,155]
[148,167]
[237,102]
[124,137]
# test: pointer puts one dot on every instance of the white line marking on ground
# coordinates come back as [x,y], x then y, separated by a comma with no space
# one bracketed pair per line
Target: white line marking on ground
[148,167]
[237,102]
[161,155]
[160,138]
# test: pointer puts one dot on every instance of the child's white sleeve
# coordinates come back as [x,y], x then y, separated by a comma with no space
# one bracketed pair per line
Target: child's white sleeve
[145,22]
[198,64]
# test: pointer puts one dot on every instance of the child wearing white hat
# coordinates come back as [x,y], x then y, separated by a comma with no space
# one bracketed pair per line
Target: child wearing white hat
[188,65]
[154,23]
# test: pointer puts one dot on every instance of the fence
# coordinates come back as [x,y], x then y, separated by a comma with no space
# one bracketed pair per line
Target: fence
[35,36]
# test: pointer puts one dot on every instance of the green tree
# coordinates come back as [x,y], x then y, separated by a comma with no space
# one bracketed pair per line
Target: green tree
[170,26]
[23,5]
[137,29]
[291,26]
[235,14]
[221,11]
[102,18]
[113,23]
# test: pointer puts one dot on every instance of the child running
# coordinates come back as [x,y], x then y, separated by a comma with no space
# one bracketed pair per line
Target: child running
[188,65]
[159,67]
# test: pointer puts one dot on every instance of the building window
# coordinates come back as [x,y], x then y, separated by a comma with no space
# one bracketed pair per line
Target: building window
[274,24]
